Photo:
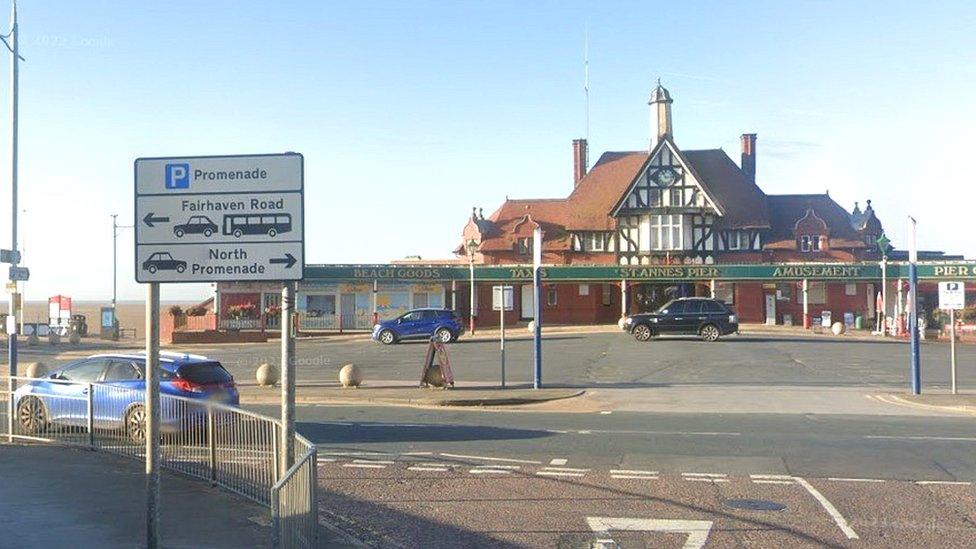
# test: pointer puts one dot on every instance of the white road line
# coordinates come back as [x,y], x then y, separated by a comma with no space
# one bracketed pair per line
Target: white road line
[944,482]
[330,460]
[416,453]
[713,480]
[558,474]
[364,465]
[321,453]
[436,464]
[771,481]
[892,437]
[584,432]
[773,477]
[438,469]
[606,412]
[486,458]
[709,475]
[829,507]
[490,471]
[836,479]
[558,461]
[635,477]
[569,469]
[631,472]
[380,461]
[493,466]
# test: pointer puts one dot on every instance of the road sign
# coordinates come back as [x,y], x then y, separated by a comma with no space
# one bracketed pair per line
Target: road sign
[496,298]
[9,256]
[213,218]
[18,274]
[952,295]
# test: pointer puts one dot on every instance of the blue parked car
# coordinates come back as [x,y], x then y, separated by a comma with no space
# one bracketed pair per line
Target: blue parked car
[444,324]
[61,399]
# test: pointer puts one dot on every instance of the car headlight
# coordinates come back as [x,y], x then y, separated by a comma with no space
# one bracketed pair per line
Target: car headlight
[733,319]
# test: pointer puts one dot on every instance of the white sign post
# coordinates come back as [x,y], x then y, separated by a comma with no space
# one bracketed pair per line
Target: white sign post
[502,299]
[214,218]
[952,296]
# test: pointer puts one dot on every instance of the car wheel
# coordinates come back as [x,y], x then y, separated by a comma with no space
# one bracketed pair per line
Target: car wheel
[207,233]
[32,415]
[238,233]
[152,269]
[444,335]
[179,233]
[180,268]
[387,337]
[135,424]
[272,233]
[642,332]
[709,332]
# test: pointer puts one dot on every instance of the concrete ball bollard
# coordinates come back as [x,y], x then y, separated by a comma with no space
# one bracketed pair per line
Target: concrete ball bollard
[74,338]
[350,376]
[531,326]
[267,375]
[54,338]
[33,340]
[35,370]
[838,328]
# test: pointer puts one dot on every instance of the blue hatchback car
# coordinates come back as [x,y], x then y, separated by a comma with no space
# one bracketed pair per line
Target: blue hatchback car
[118,393]
[444,324]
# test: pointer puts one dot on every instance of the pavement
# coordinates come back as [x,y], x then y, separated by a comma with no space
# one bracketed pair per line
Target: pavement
[62,497]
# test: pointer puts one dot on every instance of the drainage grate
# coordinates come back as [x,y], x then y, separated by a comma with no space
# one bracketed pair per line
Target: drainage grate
[755,505]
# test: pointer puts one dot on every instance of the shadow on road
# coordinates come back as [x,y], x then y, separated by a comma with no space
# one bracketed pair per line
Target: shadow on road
[326,433]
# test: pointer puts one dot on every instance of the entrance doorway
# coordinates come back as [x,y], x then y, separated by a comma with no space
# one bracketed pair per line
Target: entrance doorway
[651,297]
[770,309]
[528,304]
[347,308]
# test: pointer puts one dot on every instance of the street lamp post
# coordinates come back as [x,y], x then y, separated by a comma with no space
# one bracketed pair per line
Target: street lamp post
[913,301]
[472,247]
[115,238]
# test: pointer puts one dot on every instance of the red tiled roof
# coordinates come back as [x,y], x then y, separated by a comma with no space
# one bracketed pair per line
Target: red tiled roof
[787,209]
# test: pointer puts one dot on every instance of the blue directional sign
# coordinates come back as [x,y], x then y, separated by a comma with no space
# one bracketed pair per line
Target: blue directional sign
[19,274]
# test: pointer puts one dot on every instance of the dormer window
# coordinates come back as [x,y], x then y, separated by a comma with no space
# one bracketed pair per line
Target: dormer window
[523,245]
[595,242]
[810,243]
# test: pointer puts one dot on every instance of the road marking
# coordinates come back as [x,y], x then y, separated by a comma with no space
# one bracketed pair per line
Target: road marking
[584,432]
[835,479]
[772,477]
[364,465]
[416,453]
[436,464]
[568,469]
[438,469]
[493,466]
[771,481]
[321,453]
[631,472]
[712,480]
[489,471]
[634,477]
[709,475]
[944,482]
[462,456]
[381,461]
[697,530]
[558,461]
[558,474]
[606,412]
[893,437]
[829,507]
[326,459]
[679,433]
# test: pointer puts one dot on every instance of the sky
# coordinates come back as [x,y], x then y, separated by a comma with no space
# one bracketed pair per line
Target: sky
[410,113]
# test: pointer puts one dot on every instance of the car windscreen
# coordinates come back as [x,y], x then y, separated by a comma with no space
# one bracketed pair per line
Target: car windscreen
[204,373]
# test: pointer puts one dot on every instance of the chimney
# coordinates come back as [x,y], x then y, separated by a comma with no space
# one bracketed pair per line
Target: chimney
[580,157]
[749,156]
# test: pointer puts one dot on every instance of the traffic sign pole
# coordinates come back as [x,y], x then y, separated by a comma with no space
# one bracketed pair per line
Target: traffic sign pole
[916,365]
[14,85]
[952,348]
[537,304]
[152,416]
[501,317]
[287,455]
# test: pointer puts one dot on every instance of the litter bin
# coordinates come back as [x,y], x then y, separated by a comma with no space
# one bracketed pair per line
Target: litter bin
[859,322]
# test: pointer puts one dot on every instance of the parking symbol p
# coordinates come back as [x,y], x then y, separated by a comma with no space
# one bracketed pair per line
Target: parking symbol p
[177,176]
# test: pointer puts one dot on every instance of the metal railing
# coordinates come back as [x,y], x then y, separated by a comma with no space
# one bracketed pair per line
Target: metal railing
[223,445]
[329,322]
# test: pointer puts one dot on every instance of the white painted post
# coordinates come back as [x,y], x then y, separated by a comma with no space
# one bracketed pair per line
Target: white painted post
[152,416]
[287,448]
[806,304]
[899,310]
[711,288]
[623,298]
[952,348]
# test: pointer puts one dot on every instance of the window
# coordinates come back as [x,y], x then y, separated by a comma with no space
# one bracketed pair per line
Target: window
[713,308]
[524,245]
[745,240]
[693,307]
[413,317]
[655,198]
[630,233]
[850,289]
[733,239]
[676,307]
[666,233]
[676,195]
[419,300]
[595,242]
[551,297]
[725,291]
[607,294]
[804,243]
[584,289]
[87,371]
[121,371]
[815,242]
[784,292]
[817,293]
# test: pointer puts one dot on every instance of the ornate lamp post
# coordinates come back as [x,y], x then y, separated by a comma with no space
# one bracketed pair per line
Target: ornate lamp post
[472,247]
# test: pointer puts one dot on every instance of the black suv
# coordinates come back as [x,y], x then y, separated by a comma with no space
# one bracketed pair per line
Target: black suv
[704,317]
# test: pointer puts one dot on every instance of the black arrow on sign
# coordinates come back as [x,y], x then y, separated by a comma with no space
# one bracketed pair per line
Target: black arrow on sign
[288,261]
[149,219]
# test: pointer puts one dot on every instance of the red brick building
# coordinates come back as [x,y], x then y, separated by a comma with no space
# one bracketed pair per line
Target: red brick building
[665,205]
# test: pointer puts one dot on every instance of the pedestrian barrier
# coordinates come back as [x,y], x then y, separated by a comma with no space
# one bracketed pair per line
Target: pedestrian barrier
[224,445]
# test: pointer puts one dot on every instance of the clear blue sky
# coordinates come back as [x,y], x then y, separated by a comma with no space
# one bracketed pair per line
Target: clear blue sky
[408,114]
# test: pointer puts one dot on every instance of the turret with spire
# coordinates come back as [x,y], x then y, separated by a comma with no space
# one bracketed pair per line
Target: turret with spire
[660,102]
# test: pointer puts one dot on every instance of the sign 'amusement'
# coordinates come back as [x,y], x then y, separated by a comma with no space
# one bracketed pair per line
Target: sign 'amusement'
[770,272]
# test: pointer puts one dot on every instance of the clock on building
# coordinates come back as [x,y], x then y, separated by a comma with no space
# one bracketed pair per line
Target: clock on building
[665,177]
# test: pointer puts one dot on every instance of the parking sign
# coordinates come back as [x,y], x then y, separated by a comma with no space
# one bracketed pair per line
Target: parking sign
[952,295]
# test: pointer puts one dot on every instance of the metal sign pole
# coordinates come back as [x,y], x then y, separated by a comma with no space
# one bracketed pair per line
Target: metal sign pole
[14,72]
[537,303]
[916,365]
[152,416]
[287,456]
[501,316]
[952,348]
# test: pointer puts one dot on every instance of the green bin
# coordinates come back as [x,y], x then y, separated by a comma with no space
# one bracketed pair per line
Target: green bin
[859,322]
